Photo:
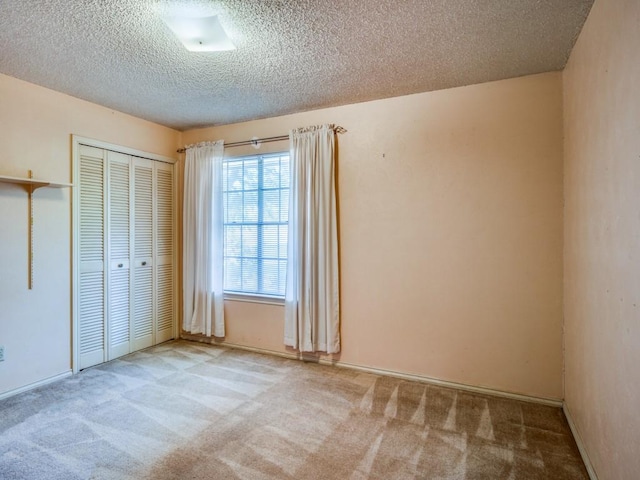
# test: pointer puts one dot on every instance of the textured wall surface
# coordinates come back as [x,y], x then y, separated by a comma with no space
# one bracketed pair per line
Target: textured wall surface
[291,55]
[35,325]
[602,237]
[450,232]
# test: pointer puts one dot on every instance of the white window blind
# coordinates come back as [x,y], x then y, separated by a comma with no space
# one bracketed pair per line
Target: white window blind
[256,208]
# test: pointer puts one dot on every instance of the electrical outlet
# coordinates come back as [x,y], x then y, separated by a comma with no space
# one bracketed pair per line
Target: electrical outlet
[1,353]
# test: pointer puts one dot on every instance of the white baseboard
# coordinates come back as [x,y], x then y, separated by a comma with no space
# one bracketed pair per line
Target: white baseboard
[580,444]
[380,371]
[37,384]
[447,384]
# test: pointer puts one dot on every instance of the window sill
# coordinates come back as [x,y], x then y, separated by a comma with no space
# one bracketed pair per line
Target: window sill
[250,298]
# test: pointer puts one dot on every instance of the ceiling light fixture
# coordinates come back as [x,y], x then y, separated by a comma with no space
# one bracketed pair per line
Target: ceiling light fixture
[200,34]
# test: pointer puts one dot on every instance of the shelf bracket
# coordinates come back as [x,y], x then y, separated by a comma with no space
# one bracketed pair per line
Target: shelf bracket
[30,190]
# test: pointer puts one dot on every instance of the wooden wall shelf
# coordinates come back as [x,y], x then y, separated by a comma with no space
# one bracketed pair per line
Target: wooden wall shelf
[31,184]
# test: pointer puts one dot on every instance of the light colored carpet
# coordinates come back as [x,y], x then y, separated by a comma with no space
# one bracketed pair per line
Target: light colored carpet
[185,410]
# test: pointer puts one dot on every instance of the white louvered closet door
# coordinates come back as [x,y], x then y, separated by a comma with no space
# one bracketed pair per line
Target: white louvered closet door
[124,252]
[142,325]
[118,251]
[164,256]
[91,275]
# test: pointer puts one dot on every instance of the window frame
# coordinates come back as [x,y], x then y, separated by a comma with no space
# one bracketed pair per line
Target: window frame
[253,298]
[250,297]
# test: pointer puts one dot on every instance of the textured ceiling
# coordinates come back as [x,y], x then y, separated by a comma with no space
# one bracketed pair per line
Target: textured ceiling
[291,55]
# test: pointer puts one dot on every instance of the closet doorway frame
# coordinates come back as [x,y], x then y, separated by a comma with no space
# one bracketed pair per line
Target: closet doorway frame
[76,141]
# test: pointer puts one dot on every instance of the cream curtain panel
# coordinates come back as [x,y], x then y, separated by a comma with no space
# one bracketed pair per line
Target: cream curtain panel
[312,305]
[203,259]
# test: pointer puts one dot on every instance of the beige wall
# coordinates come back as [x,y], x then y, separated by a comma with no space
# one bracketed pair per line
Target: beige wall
[451,230]
[451,234]
[602,237]
[36,127]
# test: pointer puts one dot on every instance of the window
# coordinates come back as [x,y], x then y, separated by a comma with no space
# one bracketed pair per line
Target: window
[256,207]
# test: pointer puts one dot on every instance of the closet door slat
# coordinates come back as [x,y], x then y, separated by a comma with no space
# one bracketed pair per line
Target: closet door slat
[143,289]
[91,280]
[119,254]
[165,304]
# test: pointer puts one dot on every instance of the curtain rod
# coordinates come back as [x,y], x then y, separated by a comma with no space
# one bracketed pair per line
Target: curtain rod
[256,141]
